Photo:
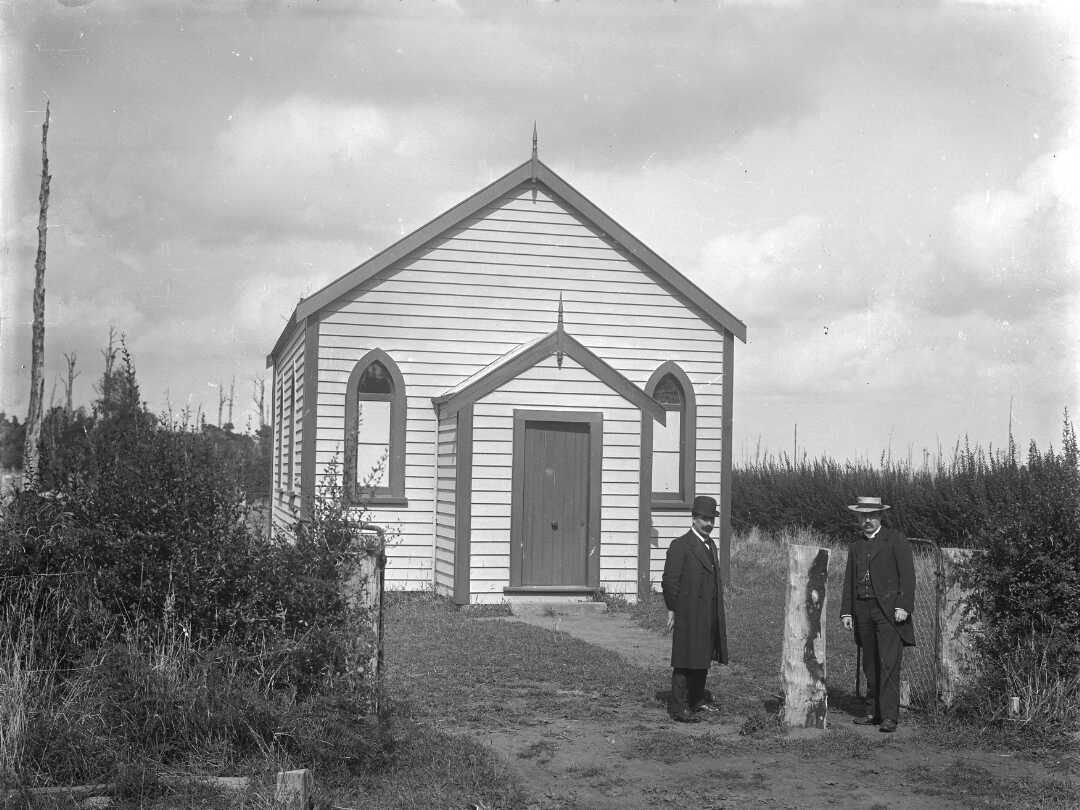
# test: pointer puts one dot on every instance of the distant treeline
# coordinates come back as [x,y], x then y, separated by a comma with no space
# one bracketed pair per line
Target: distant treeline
[956,502]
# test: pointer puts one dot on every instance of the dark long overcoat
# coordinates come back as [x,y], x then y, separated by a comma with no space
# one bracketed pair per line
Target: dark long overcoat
[892,572]
[691,582]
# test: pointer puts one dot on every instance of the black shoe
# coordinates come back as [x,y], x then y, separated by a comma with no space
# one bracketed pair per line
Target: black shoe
[685,717]
[888,726]
[868,720]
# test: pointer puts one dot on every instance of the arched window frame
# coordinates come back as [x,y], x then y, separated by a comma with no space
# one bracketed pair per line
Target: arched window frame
[393,492]
[684,498]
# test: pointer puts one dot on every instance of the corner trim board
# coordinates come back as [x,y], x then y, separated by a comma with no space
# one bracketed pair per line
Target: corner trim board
[463,505]
[724,551]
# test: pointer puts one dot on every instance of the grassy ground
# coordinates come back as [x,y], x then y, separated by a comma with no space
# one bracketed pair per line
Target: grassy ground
[494,714]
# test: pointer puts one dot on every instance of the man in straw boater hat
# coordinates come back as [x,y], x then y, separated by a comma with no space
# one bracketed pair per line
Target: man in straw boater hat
[694,595]
[879,595]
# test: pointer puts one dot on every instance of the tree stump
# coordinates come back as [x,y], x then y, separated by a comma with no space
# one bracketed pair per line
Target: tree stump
[802,670]
[956,652]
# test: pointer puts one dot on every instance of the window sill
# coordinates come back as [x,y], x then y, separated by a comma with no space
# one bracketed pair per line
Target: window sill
[671,504]
[379,501]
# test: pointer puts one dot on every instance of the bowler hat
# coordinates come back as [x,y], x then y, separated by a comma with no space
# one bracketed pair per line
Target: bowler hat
[869,504]
[705,506]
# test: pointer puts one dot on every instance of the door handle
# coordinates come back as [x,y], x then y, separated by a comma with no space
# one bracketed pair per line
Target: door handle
[555,524]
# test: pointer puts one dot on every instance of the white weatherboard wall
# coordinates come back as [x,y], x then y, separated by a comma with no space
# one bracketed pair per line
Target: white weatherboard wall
[550,388]
[288,407]
[490,285]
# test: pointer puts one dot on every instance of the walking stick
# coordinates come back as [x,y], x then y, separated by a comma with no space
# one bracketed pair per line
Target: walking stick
[858,669]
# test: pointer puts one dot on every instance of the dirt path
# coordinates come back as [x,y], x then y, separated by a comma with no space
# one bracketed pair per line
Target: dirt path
[637,758]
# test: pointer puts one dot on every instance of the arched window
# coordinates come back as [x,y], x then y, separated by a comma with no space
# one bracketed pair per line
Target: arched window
[674,444]
[375,432]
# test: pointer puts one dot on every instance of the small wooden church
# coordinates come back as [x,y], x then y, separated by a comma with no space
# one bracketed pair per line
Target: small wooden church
[527,396]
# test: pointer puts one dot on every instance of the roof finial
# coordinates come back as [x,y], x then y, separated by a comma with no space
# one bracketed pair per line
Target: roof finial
[533,164]
[560,310]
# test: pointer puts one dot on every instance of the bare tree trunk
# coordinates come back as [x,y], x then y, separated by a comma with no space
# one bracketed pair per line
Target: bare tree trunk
[220,403]
[31,449]
[259,397]
[70,384]
[109,353]
[232,397]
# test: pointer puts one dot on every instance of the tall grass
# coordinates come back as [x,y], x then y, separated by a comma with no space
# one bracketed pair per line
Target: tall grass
[18,688]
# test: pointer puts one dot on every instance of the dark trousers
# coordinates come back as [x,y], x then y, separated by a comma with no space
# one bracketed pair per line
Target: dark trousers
[687,690]
[882,654]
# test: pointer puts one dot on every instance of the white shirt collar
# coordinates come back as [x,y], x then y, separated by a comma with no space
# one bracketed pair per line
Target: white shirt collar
[872,536]
[702,539]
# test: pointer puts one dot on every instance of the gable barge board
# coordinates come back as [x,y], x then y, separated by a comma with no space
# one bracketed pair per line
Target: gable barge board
[557,341]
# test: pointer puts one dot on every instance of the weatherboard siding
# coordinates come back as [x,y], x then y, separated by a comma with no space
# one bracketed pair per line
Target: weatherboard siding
[483,288]
[288,399]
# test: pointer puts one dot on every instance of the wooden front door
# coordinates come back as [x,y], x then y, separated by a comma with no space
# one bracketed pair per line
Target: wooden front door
[555,504]
[556,500]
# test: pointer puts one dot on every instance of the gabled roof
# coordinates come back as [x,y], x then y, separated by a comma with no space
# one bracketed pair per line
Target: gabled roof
[522,358]
[531,171]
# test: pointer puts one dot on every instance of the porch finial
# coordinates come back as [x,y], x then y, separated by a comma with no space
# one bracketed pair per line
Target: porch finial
[559,328]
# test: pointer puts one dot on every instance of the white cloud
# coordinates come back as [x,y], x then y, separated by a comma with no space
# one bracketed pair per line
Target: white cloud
[1013,251]
[300,134]
[774,274]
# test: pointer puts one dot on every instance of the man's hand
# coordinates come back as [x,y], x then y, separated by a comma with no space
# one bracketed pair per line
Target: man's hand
[670,620]
[846,621]
[900,615]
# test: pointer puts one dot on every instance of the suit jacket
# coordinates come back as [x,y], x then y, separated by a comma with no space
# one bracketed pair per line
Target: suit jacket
[892,573]
[691,587]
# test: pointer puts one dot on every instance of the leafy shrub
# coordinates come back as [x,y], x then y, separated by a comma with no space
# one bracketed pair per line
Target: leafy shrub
[165,625]
[1027,577]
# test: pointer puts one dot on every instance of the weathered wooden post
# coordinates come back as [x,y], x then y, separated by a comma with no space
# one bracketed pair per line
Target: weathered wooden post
[956,656]
[802,670]
[294,790]
[364,593]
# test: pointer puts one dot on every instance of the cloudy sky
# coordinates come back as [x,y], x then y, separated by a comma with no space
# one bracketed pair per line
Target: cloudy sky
[879,192]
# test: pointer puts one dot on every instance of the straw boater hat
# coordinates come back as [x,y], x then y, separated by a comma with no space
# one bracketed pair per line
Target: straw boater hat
[872,504]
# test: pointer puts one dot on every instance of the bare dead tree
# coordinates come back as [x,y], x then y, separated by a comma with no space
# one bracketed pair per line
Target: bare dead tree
[31,447]
[232,397]
[70,384]
[258,397]
[109,354]
[220,403]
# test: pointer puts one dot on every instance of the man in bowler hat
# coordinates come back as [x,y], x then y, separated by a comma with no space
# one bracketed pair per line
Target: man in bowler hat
[693,593]
[879,595]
